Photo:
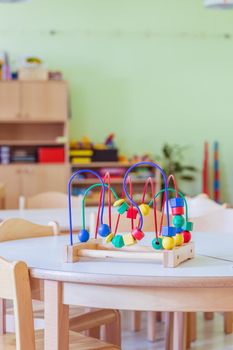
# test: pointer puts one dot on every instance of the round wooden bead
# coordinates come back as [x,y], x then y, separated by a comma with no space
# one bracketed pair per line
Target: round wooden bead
[178,211]
[187,236]
[103,230]
[179,239]
[145,209]
[109,238]
[157,244]
[138,234]
[168,243]
[83,235]
[178,221]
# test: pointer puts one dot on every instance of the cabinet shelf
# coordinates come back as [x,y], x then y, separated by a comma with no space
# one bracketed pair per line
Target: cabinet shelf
[30,143]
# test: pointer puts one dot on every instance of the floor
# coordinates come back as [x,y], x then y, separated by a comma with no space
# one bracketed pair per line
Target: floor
[210,336]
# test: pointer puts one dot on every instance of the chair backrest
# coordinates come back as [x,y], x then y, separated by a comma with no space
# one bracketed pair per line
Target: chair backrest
[15,286]
[48,200]
[202,205]
[12,229]
[220,221]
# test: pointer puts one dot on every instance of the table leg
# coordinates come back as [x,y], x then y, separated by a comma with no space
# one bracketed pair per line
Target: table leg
[180,331]
[56,317]
[151,326]
[2,316]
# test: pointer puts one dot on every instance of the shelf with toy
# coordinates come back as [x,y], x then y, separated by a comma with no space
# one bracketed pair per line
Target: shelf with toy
[171,244]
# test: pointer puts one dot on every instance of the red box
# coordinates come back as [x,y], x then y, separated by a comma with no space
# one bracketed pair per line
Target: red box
[51,155]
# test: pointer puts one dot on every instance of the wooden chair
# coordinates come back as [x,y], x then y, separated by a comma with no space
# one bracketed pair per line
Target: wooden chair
[15,285]
[48,200]
[12,229]
[2,196]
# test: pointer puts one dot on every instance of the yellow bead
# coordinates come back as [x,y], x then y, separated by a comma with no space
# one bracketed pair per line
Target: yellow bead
[109,238]
[145,209]
[128,239]
[118,202]
[179,239]
[168,243]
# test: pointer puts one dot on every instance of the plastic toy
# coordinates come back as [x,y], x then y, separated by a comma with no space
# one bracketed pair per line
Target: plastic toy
[171,243]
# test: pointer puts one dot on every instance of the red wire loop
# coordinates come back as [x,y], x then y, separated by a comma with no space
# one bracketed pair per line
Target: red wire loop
[107,179]
[128,181]
[150,181]
[170,177]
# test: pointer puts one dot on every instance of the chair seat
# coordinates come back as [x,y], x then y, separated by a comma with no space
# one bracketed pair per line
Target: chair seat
[77,341]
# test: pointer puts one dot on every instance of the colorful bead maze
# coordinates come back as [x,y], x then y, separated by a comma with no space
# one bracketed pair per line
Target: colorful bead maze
[171,243]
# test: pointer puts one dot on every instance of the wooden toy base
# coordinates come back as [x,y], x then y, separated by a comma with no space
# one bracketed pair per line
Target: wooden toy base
[95,249]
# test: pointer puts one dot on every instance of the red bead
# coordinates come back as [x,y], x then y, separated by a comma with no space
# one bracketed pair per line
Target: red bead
[138,234]
[178,211]
[187,236]
[132,213]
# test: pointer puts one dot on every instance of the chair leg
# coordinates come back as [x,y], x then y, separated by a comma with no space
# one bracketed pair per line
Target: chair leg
[159,316]
[151,326]
[208,316]
[136,321]
[191,328]
[228,322]
[2,316]
[112,331]
[169,319]
[180,331]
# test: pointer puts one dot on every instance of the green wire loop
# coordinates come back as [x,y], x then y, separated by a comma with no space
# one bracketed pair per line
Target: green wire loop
[86,193]
[174,191]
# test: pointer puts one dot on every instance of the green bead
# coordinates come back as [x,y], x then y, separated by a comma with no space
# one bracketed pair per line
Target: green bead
[188,226]
[118,241]
[178,221]
[157,244]
[123,208]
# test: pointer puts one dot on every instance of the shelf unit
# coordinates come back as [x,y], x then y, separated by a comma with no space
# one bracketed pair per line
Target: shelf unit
[138,180]
[33,114]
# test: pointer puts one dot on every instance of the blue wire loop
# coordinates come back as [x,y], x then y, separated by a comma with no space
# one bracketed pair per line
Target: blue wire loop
[156,166]
[69,197]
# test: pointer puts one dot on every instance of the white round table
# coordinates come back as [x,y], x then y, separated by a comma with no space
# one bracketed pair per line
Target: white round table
[204,283]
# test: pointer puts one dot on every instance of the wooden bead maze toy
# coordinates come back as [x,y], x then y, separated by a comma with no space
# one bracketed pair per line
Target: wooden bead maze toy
[171,244]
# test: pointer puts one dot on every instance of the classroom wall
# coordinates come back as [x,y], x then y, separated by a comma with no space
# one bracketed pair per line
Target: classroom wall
[152,71]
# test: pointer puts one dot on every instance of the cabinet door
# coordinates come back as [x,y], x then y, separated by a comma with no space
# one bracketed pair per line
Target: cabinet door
[44,100]
[10,176]
[9,100]
[43,178]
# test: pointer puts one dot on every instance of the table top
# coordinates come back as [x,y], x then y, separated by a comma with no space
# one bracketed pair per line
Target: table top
[213,263]
[44,216]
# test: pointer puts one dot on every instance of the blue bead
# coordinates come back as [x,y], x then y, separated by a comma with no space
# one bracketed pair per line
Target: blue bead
[168,231]
[103,230]
[179,230]
[83,235]
[176,202]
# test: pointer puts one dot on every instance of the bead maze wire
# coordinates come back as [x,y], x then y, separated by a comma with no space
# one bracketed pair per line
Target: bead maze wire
[133,202]
[76,174]
[149,181]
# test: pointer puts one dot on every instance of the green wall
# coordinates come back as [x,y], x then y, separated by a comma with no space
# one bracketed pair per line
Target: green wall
[135,67]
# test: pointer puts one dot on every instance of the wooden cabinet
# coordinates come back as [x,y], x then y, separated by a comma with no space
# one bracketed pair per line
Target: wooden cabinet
[9,100]
[33,101]
[44,101]
[28,180]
